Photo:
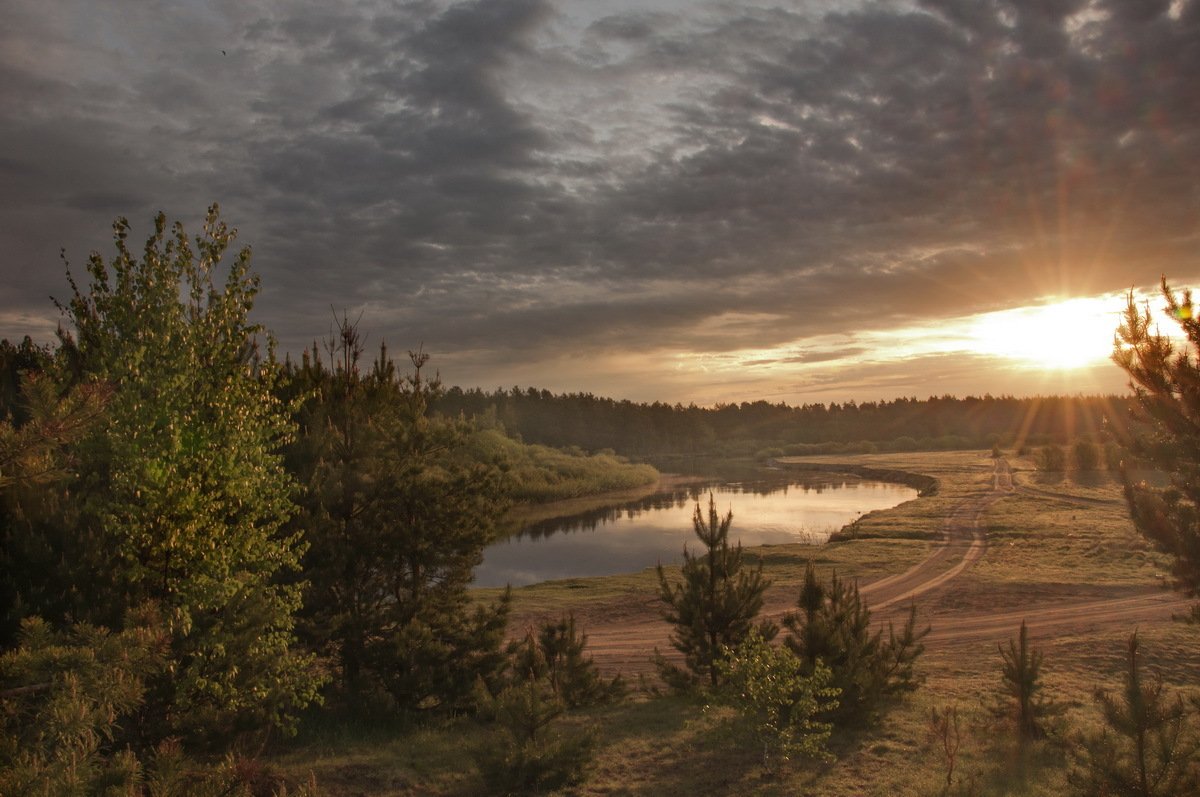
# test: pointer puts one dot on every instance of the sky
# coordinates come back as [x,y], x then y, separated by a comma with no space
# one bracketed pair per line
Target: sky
[656,200]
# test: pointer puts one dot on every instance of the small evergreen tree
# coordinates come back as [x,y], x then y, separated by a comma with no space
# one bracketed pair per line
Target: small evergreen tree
[1147,747]
[63,696]
[1021,681]
[572,675]
[525,754]
[714,607]
[833,627]
[41,568]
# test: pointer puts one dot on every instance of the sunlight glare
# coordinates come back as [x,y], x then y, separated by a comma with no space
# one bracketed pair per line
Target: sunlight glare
[1073,333]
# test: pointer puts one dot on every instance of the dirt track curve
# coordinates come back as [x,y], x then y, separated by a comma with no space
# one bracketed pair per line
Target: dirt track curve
[625,637]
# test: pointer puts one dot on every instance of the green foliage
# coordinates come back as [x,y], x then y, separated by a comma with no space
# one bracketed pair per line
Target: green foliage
[1148,747]
[1085,455]
[182,487]
[396,514]
[571,673]
[1051,459]
[35,451]
[70,704]
[778,700]
[1166,386]
[63,699]
[538,474]
[714,607]
[1021,682]
[40,566]
[525,755]
[833,627]
[18,361]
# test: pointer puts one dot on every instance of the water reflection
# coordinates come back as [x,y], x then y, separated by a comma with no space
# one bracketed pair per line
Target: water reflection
[766,511]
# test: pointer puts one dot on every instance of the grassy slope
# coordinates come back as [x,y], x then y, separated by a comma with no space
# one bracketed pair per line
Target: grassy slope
[1041,549]
[538,474]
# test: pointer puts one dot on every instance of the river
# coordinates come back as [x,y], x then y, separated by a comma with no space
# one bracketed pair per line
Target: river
[768,510]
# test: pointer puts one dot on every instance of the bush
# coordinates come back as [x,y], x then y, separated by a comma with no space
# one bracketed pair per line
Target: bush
[777,700]
[1086,455]
[764,454]
[538,474]
[1051,459]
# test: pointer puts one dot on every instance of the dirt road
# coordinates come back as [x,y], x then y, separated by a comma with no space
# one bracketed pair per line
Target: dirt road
[625,638]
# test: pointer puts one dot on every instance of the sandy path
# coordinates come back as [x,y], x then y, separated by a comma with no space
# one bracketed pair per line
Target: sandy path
[625,638]
[1125,610]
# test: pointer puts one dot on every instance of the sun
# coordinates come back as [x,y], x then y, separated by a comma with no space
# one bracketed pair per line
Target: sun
[1062,335]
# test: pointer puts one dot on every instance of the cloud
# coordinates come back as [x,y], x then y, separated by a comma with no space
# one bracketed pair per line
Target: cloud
[520,178]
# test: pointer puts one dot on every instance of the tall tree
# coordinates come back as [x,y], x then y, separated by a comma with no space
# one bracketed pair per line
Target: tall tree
[1166,383]
[183,481]
[714,607]
[396,514]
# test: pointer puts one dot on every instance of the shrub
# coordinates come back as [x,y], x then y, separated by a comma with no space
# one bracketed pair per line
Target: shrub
[778,700]
[1086,455]
[1051,459]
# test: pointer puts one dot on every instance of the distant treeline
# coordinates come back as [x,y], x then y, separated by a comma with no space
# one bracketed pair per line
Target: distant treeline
[660,429]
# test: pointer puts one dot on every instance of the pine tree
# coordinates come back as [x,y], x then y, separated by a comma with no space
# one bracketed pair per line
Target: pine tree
[1021,679]
[183,482]
[1166,386]
[396,516]
[833,626]
[40,565]
[525,754]
[1147,747]
[572,675]
[714,607]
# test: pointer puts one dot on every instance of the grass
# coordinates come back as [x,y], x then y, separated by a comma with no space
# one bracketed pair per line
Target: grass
[537,474]
[1070,540]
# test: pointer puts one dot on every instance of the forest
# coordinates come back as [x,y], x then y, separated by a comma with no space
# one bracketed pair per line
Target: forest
[659,431]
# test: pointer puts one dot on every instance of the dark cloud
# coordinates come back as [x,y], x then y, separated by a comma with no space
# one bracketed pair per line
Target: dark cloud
[527,177]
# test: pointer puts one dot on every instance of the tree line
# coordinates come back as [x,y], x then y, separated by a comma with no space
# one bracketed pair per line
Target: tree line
[659,429]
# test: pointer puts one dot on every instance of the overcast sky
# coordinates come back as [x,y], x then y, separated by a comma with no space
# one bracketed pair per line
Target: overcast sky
[686,201]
